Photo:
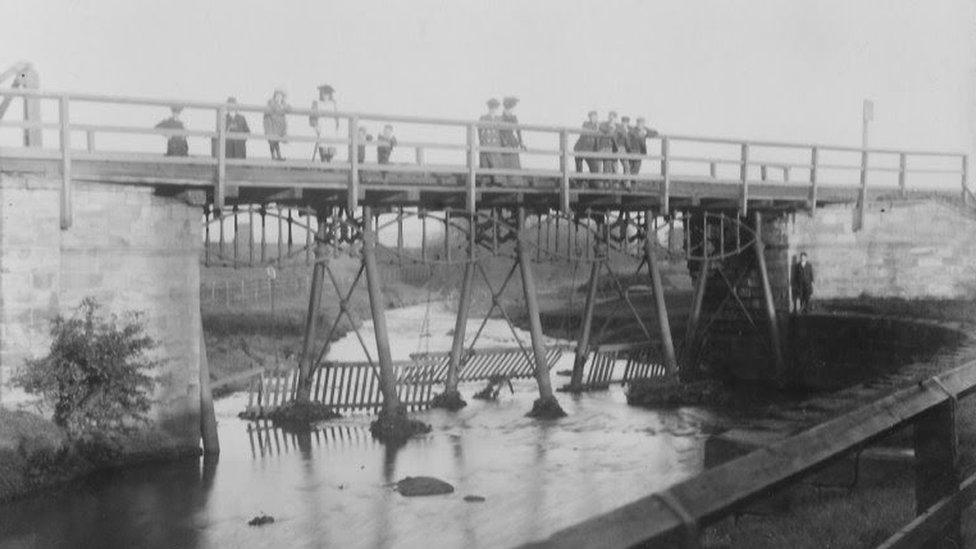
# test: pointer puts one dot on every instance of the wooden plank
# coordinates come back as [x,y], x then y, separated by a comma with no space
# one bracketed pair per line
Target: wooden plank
[918,533]
[937,466]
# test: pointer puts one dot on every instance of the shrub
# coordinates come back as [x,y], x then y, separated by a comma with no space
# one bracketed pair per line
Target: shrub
[96,374]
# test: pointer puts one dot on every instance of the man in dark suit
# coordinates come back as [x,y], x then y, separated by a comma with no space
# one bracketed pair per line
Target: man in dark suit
[802,282]
[587,143]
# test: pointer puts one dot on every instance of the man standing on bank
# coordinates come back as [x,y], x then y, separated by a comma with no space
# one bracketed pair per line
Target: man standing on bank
[802,284]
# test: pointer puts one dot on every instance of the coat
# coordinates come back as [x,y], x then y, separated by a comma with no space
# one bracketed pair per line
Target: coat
[509,137]
[637,139]
[802,276]
[275,121]
[587,142]
[175,145]
[604,141]
[236,148]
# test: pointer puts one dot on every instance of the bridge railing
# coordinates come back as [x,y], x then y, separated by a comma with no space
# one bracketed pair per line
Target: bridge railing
[451,149]
[673,517]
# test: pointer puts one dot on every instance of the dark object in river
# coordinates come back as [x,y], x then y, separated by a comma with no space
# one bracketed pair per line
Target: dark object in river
[546,408]
[449,401]
[396,427]
[261,520]
[423,486]
[495,384]
[474,499]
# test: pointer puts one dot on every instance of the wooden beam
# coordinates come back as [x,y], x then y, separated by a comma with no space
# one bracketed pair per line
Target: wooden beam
[532,310]
[814,175]
[937,467]
[744,180]
[664,324]
[586,326]
[67,208]
[377,306]
[208,419]
[773,322]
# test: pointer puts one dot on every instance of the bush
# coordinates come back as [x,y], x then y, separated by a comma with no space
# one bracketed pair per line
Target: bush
[96,375]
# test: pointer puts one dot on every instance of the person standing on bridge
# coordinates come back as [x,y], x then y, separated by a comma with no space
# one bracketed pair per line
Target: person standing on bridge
[637,142]
[511,138]
[802,284]
[384,144]
[606,144]
[488,137]
[176,145]
[587,143]
[235,123]
[326,127]
[276,123]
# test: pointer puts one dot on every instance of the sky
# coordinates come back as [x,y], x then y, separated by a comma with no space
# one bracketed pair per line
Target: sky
[793,70]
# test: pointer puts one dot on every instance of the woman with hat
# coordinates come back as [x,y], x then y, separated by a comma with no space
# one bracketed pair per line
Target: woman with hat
[176,145]
[326,127]
[276,123]
[510,138]
[235,122]
[488,136]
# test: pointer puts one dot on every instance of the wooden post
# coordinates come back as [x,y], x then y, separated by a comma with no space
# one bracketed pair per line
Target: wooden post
[306,365]
[532,306]
[694,317]
[774,342]
[565,168]
[744,179]
[418,156]
[29,79]
[937,464]
[814,160]
[965,177]
[220,192]
[352,200]
[460,323]
[64,115]
[713,170]
[762,172]
[862,195]
[208,419]
[665,175]
[667,345]
[391,402]
[902,167]
[90,141]
[583,342]
[471,191]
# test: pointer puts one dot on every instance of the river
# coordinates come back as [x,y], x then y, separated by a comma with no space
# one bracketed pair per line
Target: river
[333,487]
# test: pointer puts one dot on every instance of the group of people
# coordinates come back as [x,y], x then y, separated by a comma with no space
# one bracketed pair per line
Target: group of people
[491,138]
[615,136]
[275,121]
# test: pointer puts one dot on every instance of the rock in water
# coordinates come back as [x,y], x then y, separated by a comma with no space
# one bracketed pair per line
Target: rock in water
[474,499]
[260,520]
[423,486]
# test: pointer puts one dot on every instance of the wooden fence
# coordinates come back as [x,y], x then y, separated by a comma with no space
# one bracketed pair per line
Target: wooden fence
[674,517]
[621,363]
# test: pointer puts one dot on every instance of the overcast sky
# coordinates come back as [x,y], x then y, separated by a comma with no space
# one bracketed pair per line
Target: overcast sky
[791,70]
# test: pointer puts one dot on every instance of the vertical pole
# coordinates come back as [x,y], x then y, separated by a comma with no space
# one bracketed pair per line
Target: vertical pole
[564,162]
[29,79]
[532,306]
[90,141]
[965,177]
[713,170]
[768,296]
[461,322]
[744,179]
[862,195]
[472,168]
[208,419]
[66,190]
[418,155]
[583,343]
[694,317]
[391,402]
[352,200]
[305,365]
[937,465]
[667,345]
[814,176]
[220,192]
[902,167]
[665,175]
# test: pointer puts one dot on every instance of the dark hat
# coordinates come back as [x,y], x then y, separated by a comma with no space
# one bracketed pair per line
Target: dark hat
[232,100]
[510,102]
[625,119]
[176,108]
[492,103]
[325,88]
[592,113]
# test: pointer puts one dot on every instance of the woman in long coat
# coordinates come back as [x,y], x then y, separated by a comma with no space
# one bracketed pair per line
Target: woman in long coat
[276,123]
[489,137]
[236,123]
[510,138]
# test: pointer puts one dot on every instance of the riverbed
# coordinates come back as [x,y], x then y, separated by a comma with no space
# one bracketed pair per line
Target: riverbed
[333,487]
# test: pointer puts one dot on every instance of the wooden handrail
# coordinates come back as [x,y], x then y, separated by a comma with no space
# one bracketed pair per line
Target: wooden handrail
[722,490]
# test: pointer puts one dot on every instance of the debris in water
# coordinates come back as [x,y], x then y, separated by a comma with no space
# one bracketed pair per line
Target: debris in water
[474,499]
[261,520]
[423,486]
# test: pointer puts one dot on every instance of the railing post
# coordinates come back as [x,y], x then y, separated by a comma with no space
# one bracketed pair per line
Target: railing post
[418,155]
[937,464]
[786,174]
[90,141]
[744,179]
[862,195]
[64,119]
[965,177]
[564,168]
[814,160]
[472,183]
[665,176]
[713,170]
[352,201]
[220,193]
[902,166]
[31,80]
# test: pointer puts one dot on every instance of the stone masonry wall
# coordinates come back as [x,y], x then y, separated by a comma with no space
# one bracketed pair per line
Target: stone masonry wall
[906,249]
[129,249]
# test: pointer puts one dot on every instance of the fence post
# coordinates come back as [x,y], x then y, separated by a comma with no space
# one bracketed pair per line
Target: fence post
[744,179]
[965,177]
[471,198]
[564,168]
[90,141]
[31,80]
[713,170]
[902,166]
[64,115]
[665,176]
[221,190]
[418,155]
[814,159]
[352,200]
[937,464]
[862,195]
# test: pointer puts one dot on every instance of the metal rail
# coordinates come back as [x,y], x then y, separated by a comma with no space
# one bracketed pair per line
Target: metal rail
[555,163]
